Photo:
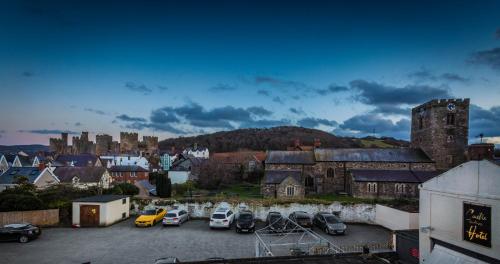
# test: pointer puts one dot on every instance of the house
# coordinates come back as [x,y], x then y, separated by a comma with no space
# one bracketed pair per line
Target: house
[77,160]
[110,161]
[283,184]
[242,163]
[197,152]
[459,220]
[40,177]
[185,168]
[4,165]
[100,210]
[128,173]
[12,160]
[84,177]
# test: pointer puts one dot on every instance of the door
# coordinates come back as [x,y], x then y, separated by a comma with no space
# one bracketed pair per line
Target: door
[89,215]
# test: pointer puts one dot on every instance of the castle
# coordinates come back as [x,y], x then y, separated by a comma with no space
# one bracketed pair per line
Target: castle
[104,145]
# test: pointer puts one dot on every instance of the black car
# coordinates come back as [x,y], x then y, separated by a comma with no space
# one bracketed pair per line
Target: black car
[301,218]
[330,223]
[275,222]
[245,222]
[19,232]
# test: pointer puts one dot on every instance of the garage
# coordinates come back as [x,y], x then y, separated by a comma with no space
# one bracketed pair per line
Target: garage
[100,210]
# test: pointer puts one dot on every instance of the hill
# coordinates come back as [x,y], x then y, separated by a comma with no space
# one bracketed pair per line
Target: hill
[276,138]
[25,148]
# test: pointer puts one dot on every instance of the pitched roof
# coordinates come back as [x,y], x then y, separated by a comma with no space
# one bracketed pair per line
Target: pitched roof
[81,160]
[10,157]
[239,156]
[101,198]
[289,157]
[371,155]
[392,175]
[277,176]
[26,161]
[84,174]
[10,175]
[125,168]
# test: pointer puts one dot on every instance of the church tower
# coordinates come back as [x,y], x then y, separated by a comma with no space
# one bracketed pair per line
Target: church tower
[441,129]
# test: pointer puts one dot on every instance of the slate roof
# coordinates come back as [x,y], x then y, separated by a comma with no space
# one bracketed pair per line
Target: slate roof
[84,174]
[125,168]
[393,175]
[26,161]
[10,158]
[277,176]
[101,198]
[239,157]
[9,176]
[289,157]
[81,160]
[372,155]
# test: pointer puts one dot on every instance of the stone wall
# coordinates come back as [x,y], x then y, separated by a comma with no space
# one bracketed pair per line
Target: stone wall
[352,213]
[129,143]
[103,144]
[385,190]
[59,145]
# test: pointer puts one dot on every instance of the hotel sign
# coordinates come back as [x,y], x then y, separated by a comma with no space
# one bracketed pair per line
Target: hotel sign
[477,224]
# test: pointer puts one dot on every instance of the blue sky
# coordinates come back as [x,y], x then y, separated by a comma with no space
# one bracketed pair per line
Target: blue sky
[179,68]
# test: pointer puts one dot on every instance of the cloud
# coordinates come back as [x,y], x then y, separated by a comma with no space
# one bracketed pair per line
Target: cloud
[263,92]
[163,115]
[265,123]
[278,83]
[48,131]
[28,74]
[311,122]
[259,111]
[391,109]
[427,75]
[162,88]
[77,124]
[95,111]
[155,126]
[297,111]
[489,58]
[141,88]
[485,121]
[497,33]
[365,124]
[127,118]
[373,93]
[222,87]
[1,133]
[278,100]
[332,89]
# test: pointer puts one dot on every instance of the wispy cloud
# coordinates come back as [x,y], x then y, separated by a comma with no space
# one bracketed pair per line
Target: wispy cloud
[425,75]
[332,89]
[141,88]
[28,74]
[222,87]
[95,111]
[77,124]
[127,118]
[278,100]
[48,131]
[264,93]
[489,58]
[297,111]
[311,122]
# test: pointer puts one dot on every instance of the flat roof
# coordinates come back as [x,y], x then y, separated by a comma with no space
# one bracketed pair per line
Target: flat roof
[101,198]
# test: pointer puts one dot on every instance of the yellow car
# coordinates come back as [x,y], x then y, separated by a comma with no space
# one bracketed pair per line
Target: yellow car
[150,217]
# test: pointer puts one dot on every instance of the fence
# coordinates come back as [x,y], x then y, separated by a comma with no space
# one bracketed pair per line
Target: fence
[373,247]
[48,217]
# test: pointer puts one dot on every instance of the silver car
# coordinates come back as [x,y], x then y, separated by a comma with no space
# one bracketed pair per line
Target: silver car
[175,217]
[330,223]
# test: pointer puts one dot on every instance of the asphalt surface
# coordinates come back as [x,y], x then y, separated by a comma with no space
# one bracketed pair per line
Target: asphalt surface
[124,243]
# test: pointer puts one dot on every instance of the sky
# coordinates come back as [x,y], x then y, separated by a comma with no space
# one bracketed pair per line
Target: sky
[182,68]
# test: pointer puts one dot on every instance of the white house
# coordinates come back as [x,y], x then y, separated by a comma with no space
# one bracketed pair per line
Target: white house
[125,161]
[84,177]
[197,152]
[459,218]
[41,178]
[4,165]
[100,210]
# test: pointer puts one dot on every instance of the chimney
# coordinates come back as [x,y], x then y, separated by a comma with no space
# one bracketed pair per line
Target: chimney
[41,166]
[297,142]
[317,143]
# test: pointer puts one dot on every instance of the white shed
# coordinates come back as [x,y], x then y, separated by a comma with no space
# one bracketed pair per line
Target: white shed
[460,215]
[100,210]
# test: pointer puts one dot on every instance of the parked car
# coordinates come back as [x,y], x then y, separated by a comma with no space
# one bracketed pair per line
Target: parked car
[175,217]
[22,232]
[330,223]
[152,192]
[275,222]
[245,222]
[222,218]
[301,218]
[150,217]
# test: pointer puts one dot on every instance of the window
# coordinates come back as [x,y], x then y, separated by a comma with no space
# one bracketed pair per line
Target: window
[400,188]
[450,119]
[133,174]
[124,200]
[330,173]
[372,187]
[290,191]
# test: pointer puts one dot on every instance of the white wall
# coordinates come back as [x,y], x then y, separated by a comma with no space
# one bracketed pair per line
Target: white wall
[395,219]
[109,213]
[178,176]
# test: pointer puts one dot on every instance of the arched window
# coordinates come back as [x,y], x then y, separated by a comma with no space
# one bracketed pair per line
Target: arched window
[372,187]
[290,190]
[330,173]
[400,188]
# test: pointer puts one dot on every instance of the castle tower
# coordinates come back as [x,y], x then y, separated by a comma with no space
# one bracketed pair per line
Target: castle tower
[129,143]
[441,129]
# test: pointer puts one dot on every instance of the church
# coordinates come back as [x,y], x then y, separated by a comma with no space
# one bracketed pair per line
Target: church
[439,140]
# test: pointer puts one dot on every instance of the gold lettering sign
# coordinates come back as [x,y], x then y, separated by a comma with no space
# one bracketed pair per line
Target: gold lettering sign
[477,224]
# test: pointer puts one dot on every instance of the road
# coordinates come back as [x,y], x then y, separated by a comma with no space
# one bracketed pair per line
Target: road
[124,243]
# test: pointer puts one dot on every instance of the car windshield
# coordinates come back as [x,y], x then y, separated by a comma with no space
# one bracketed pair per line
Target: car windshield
[218,216]
[245,217]
[171,215]
[275,218]
[148,212]
[332,219]
[16,226]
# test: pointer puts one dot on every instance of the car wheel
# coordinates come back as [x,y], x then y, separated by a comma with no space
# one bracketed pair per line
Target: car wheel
[327,231]
[237,230]
[23,239]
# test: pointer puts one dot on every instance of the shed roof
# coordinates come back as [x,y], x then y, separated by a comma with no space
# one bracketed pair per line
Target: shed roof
[84,174]
[371,155]
[407,176]
[278,176]
[289,157]
[101,198]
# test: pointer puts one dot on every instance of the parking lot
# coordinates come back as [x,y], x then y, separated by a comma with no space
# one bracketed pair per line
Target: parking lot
[124,243]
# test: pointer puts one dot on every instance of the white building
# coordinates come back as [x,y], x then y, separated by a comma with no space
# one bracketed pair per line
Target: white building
[111,161]
[100,210]
[197,152]
[460,215]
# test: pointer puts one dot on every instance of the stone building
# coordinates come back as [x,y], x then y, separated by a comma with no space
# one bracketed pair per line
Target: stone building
[128,173]
[103,144]
[129,143]
[82,144]
[149,145]
[283,184]
[59,145]
[441,129]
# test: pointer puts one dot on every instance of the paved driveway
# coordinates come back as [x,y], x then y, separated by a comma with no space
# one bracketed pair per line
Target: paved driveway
[124,243]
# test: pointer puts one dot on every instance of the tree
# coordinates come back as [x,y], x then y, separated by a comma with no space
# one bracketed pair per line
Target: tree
[163,185]
[126,188]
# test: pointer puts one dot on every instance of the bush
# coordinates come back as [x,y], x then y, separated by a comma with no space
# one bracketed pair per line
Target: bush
[20,202]
[163,185]
[127,188]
